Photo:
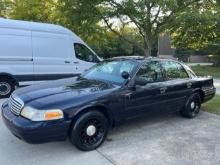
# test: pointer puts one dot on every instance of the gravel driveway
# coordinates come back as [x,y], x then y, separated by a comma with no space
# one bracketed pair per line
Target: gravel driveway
[162,140]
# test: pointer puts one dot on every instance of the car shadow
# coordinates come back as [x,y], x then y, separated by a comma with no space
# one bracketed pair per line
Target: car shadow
[134,126]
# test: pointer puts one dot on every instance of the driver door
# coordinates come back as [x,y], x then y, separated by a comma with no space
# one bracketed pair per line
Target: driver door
[150,98]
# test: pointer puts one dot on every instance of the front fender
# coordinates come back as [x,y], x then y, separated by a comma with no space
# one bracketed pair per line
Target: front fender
[95,106]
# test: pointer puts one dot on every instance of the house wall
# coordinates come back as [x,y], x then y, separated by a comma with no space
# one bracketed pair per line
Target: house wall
[167,52]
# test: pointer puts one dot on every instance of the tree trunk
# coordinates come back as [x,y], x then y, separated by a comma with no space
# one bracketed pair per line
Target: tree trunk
[149,50]
[147,46]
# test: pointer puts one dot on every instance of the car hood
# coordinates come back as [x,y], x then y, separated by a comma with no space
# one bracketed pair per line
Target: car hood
[56,91]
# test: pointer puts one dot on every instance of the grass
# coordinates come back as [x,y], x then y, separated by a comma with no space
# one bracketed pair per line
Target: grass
[212,106]
[206,71]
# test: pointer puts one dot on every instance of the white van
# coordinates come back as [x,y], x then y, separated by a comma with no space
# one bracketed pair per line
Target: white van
[32,52]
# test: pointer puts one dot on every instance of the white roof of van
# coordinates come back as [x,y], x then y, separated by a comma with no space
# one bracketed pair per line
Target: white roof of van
[35,26]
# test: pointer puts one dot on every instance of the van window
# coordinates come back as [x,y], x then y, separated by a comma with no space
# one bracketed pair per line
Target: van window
[83,53]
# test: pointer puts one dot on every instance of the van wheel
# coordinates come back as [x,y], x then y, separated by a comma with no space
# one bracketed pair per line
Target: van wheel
[89,131]
[6,88]
[192,107]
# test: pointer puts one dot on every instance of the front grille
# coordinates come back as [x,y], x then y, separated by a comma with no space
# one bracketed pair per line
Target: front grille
[15,104]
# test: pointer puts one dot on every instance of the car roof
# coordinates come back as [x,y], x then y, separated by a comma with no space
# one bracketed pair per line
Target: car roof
[128,58]
[135,58]
[142,58]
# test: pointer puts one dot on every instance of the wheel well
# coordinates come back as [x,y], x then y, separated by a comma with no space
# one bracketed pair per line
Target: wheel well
[201,94]
[8,77]
[101,109]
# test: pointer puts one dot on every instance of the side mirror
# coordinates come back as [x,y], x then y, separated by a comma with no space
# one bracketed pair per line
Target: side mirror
[125,75]
[140,81]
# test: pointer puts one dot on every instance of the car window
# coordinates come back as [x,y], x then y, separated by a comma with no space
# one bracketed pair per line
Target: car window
[151,71]
[83,53]
[182,72]
[174,70]
[189,70]
[110,70]
[127,67]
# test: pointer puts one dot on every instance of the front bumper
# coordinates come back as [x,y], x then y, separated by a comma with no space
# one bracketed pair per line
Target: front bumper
[35,132]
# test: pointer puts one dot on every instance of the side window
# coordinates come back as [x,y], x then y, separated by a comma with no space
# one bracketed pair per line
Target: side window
[151,71]
[182,72]
[174,70]
[190,71]
[83,53]
[127,66]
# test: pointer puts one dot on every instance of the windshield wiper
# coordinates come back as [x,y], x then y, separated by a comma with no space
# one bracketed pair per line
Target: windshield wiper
[81,78]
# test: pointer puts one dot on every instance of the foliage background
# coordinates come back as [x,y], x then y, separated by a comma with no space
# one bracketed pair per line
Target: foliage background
[128,27]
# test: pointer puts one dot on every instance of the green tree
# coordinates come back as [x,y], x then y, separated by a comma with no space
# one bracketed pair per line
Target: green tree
[32,10]
[149,17]
[124,26]
[3,7]
[75,19]
[114,45]
[198,29]
[194,28]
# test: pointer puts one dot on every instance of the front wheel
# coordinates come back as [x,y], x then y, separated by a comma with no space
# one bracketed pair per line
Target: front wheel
[89,131]
[192,107]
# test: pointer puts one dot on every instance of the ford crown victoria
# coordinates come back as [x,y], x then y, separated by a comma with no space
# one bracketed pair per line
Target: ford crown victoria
[86,107]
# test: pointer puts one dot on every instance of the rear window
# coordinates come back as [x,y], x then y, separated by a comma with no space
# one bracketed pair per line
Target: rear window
[174,70]
[190,71]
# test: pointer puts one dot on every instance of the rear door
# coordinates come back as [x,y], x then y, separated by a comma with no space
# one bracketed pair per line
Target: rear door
[178,85]
[16,53]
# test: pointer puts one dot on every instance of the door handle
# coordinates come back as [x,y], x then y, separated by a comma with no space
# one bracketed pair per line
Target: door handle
[67,62]
[189,85]
[163,90]
[76,62]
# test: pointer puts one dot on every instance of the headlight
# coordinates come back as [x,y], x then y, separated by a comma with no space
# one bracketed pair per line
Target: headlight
[41,115]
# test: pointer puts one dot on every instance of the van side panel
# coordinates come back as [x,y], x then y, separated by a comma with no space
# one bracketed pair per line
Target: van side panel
[51,54]
[16,53]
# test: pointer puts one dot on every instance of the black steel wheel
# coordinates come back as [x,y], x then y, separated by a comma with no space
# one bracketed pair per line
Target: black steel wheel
[89,131]
[192,107]
[6,88]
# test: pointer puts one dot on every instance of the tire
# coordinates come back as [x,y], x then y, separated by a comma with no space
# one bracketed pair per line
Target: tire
[192,107]
[6,88]
[89,131]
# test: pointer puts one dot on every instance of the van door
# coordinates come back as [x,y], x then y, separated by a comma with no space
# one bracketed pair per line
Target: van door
[84,57]
[51,53]
[16,54]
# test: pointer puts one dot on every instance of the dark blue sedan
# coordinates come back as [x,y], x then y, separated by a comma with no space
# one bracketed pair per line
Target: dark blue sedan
[84,108]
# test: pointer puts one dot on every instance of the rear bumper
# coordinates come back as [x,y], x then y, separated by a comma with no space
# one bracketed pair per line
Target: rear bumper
[209,93]
[34,132]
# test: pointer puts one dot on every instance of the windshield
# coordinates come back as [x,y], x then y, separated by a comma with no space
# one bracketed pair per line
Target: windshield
[110,70]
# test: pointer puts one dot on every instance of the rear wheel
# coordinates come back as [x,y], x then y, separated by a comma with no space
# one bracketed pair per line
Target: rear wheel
[89,131]
[6,88]
[192,107]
